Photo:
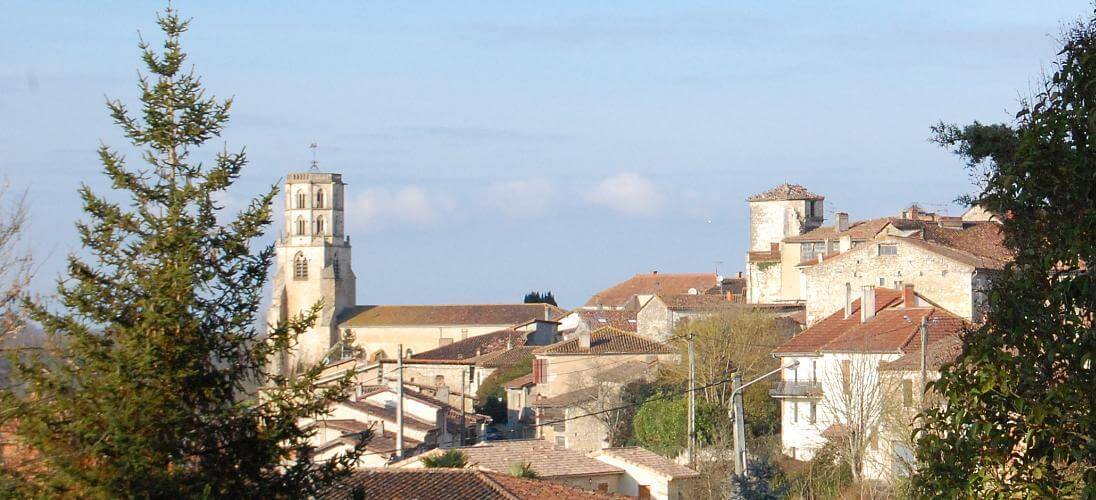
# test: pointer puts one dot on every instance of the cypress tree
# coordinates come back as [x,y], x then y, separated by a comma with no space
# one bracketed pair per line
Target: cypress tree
[148,387]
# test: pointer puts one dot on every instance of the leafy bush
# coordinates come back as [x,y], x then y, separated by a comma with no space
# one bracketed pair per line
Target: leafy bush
[452,459]
[492,395]
[522,469]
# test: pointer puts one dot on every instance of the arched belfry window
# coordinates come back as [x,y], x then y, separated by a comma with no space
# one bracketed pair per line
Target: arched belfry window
[300,266]
[302,199]
[302,226]
[319,198]
[319,225]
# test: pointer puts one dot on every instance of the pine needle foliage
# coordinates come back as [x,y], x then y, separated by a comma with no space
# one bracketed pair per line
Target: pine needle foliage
[148,386]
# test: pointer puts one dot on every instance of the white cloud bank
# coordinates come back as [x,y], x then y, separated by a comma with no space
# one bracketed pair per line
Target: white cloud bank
[377,207]
[522,198]
[628,193]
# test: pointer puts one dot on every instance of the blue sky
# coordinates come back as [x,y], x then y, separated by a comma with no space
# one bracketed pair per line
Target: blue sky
[492,148]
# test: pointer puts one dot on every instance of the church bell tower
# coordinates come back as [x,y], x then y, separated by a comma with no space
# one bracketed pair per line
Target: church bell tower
[313,262]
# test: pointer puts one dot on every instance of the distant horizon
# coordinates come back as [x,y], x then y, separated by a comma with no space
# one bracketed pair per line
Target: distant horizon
[492,150]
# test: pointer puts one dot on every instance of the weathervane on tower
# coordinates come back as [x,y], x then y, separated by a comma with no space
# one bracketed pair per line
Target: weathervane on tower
[315,164]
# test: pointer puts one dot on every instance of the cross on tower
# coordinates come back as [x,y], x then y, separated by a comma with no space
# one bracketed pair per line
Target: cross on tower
[315,164]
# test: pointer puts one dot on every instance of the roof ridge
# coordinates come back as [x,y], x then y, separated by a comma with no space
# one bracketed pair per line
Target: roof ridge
[497,486]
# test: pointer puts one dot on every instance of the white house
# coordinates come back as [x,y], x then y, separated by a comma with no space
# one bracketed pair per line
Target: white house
[836,393]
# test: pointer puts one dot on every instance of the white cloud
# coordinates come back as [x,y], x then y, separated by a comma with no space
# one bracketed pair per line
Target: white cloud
[377,207]
[628,193]
[522,198]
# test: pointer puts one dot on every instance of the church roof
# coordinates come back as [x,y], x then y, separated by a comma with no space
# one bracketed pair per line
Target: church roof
[651,284]
[448,314]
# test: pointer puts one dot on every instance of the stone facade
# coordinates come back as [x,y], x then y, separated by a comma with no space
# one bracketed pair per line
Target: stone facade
[313,262]
[955,286]
[787,210]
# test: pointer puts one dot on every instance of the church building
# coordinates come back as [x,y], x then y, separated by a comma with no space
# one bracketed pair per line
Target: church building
[314,267]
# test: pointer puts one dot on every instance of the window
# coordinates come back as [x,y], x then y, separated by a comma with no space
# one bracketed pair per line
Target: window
[300,266]
[814,370]
[471,374]
[319,198]
[335,265]
[882,281]
[888,249]
[319,225]
[302,199]
[561,441]
[907,393]
[301,227]
[814,412]
[810,251]
[795,411]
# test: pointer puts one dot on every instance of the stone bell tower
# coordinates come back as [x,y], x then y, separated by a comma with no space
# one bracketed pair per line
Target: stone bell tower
[313,262]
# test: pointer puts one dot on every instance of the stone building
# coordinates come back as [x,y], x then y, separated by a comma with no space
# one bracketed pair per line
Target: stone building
[950,262]
[784,211]
[313,261]
[837,388]
[633,293]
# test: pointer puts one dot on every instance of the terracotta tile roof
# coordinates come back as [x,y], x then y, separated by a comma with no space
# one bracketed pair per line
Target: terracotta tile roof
[609,340]
[651,461]
[944,350]
[771,255]
[425,484]
[548,459]
[567,399]
[505,358]
[474,346]
[651,284]
[518,383]
[786,192]
[616,318]
[892,329]
[484,314]
[984,240]
[858,231]
[694,302]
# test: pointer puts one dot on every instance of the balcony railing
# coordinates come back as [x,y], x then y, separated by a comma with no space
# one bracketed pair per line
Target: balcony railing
[790,389]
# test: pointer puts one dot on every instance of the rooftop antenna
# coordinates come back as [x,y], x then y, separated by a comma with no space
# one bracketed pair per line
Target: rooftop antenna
[717,264]
[315,164]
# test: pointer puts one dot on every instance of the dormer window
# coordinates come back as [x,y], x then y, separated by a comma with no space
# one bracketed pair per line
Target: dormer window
[319,198]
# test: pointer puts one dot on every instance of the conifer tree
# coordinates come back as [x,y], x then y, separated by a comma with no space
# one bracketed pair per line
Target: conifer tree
[147,389]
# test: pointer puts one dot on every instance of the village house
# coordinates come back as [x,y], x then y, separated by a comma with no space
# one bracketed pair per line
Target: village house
[634,292]
[658,317]
[588,371]
[630,471]
[450,483]
[836,393]
[454,372]
[427,423]
[781,212]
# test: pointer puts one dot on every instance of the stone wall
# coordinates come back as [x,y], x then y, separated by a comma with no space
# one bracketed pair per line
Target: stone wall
[943,281]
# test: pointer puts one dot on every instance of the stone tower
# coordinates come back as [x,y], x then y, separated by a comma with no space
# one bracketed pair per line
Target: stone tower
[313,262]
[783,211]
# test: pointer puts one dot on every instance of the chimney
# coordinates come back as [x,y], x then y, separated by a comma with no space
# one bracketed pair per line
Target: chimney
[842,221]
[848,300]
[442,393]
[740,274]
[867,303]
[909,299]
[730,297]
[584,340]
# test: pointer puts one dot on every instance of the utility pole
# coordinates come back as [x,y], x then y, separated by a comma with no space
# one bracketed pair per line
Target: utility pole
[740,417]
[924,358]
[399,402]
[463,380]
[739,427]
[692,402]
